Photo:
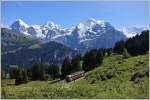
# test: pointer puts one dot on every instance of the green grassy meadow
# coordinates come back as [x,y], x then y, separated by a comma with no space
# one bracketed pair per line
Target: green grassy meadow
[111,80]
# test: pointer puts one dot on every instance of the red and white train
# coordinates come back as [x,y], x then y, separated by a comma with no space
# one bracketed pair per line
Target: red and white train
[74,76]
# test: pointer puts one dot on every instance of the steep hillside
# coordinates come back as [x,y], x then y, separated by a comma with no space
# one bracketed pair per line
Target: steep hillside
[116,78]
[46,53]
[11,41]
[22,50]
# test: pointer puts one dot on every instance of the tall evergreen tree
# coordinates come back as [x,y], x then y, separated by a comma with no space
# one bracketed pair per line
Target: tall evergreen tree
[100,57]
[19,77]
[86,60]
[53,71]
[13,72]
[24,76]
[38,72]
[66,67]
[119,46]
[92,59]
[76,66]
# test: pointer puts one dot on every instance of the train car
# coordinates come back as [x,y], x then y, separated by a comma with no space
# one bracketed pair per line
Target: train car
[74,76]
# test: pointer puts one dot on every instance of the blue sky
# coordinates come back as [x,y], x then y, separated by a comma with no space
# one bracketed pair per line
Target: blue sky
[68,14]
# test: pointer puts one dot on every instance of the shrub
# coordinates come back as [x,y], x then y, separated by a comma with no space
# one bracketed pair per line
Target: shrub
[137,75]
[92,81]
[46,77]
[125,53]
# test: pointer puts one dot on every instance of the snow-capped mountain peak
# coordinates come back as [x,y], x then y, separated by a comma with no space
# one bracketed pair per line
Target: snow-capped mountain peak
[21,23]
[91,23]
[51,25]
[100,21]
[20,26]
[91,20]
[86,35]
[94,21]
[80,26]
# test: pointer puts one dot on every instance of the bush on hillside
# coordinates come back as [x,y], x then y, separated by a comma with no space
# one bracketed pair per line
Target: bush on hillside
[125,53]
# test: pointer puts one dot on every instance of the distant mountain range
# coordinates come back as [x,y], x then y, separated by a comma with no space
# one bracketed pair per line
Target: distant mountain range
[88,35]
[19,49]
[24,44]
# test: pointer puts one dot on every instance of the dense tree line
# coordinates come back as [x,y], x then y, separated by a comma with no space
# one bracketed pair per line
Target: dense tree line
[119,46]
[43,72]
[89,61]
[136,45]
[54,71]
[71,66]
[92,59]
[19,74]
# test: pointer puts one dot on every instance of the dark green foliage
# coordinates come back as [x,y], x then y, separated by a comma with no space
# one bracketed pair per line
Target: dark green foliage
[53,71]
[93,81]
[103,77]
[107,75]
[72,66]
[119,46]
[24,76]
[125,53]
[109,51]
[13,72]
[38,72]
[29,73]
[138,44]
[21,76]
[46,77]
[139,75]
[92,59]
[18,77]
[66,67]
[99,57]
[135,46]
[76,66]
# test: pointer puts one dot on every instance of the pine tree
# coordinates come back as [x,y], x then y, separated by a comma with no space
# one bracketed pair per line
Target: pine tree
[119,46]
[99,57]
[13,72]
[24,76]
[19,77]
[109,51]
[92,59]
[53,71]
[66,67]
[85,65]
[42,72]
[76,66]
[38,72]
